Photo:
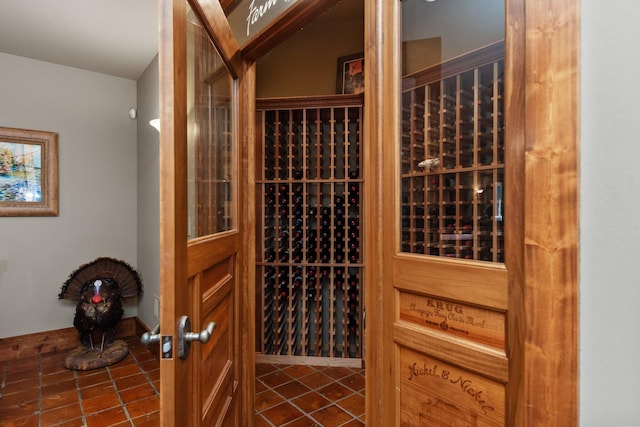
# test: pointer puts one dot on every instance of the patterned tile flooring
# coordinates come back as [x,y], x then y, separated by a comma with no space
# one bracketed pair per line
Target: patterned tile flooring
[309,396]
[40,392]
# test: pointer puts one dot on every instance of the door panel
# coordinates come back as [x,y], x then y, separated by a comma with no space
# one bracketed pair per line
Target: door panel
[202,265]
[444,263]
[436,393]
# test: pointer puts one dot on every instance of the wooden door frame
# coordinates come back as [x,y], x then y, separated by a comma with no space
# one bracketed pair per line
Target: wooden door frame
[542,108]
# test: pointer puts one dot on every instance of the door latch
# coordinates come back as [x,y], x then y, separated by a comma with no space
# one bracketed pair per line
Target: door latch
[151,337]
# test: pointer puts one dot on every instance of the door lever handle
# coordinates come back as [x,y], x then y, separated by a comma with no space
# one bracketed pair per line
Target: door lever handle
[186,337]
[151,337]
[203,336]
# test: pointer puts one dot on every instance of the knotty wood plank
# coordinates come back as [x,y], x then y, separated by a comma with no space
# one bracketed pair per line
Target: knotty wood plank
[551,212]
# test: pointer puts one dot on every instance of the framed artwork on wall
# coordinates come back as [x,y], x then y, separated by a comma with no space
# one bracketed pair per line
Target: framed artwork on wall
[350,74]
[28,172]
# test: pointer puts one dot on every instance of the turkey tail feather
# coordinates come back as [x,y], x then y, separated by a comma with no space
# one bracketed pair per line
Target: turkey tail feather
[126,277]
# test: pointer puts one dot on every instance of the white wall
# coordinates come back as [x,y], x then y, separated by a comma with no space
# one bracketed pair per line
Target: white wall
[148,192]
[610,214]
[97,179]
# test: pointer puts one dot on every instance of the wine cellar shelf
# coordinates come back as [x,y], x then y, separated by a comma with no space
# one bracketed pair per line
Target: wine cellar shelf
[453,158]
[309,241]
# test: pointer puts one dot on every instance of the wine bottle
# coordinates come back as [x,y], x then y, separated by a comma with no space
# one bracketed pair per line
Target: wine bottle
[354,174]
[353,325]
[283,292]
[270,256]
[297,282]
[325,233]
[270,282]
[353,281]
[311,245]
[311,257]
[311,292]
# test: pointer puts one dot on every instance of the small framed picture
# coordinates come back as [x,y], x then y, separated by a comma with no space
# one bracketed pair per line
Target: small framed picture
[351,74]
[28,172]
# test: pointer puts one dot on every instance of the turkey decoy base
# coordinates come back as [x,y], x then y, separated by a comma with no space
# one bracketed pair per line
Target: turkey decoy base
[84,358]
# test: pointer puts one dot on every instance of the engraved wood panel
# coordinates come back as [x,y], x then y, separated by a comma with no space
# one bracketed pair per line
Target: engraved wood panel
[435,393]
[477,324]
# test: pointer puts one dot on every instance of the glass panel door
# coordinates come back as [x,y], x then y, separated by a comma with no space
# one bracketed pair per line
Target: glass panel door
[210,141]
[452,142]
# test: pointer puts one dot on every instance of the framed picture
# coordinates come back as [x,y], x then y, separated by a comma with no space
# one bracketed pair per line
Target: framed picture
[351,74]
[28,172]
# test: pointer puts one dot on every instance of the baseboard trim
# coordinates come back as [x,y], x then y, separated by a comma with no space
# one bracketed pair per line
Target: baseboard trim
[23,346]
[308,360]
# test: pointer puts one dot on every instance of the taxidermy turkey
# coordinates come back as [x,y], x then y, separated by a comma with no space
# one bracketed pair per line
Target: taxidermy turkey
[99,288]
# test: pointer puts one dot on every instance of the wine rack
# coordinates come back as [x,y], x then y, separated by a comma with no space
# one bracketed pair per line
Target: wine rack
[453,158]
[309,245]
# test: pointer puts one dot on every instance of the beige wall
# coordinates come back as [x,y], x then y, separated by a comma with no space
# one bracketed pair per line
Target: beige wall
[97,177]
[306,64]
[148,192]
[463,25]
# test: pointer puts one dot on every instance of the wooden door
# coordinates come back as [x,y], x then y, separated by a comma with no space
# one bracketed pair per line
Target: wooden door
[474,342]
[206,362]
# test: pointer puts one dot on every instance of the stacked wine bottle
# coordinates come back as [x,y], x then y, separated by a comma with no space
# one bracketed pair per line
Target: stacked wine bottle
[453,158]
[310,254]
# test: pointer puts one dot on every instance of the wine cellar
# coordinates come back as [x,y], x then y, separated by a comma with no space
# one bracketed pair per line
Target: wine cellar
[453,158]
[309,240]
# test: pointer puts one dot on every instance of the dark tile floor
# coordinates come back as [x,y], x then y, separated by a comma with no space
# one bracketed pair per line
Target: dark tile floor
[309,396]
[39,391]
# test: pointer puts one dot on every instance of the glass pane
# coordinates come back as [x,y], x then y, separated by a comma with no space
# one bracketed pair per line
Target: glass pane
[211,170]
[452,142]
